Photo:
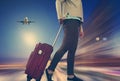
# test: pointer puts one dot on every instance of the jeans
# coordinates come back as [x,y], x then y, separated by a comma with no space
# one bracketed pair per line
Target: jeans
[70,41]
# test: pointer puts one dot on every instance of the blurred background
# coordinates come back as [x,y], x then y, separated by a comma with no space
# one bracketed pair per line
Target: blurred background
[98,53]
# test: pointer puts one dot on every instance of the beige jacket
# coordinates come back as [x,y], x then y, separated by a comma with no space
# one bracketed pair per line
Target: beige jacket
[69,7]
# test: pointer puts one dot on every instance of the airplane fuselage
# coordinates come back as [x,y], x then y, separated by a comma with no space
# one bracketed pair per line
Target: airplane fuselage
[26,20]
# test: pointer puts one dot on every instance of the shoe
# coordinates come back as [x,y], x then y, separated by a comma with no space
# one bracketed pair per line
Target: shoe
[29,78]
[49,76]
[37,79]
[74,79]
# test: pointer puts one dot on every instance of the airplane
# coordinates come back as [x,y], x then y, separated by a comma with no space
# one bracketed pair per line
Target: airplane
[26,21]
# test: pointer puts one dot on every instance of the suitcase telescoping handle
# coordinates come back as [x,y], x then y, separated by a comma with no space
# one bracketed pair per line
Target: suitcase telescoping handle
[54,42]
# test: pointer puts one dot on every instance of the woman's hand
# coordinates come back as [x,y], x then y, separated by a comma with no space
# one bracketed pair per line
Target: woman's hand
[81,32]
[61,21]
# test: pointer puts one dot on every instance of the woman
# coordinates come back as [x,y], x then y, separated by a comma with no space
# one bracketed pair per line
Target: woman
[70,14]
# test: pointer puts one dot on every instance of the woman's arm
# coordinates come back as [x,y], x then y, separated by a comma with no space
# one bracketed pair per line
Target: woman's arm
[59,9]
[81,31]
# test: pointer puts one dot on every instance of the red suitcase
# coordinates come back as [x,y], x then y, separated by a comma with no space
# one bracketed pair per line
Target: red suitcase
[38,59]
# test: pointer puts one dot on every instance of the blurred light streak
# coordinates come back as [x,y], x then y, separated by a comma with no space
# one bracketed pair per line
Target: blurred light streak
[84,72]
[15,66]
[102,23]
[94,61]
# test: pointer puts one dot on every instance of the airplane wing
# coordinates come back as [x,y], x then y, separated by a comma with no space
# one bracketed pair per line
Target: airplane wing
[30,22]
[21,22]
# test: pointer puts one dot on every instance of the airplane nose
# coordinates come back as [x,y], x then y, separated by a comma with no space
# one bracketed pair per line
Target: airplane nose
[26,17]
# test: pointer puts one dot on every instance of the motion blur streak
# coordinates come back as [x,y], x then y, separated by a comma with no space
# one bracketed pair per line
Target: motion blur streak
[103,22]
[94,60]
[87,73]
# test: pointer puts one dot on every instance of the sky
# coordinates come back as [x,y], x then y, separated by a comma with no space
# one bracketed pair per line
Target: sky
[18,40]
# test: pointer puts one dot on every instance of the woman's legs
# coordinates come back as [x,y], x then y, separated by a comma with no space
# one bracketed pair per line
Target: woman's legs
[69,44]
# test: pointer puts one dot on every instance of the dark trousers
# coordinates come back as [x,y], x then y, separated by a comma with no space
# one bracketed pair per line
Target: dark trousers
[70,41]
